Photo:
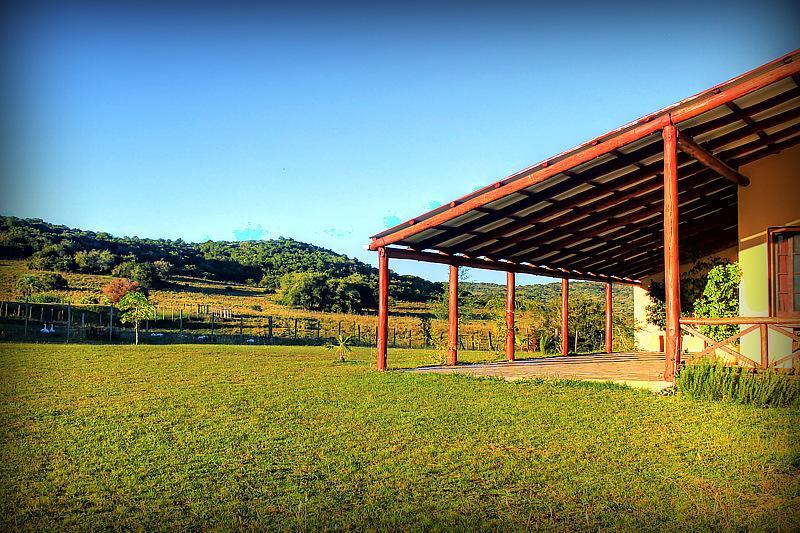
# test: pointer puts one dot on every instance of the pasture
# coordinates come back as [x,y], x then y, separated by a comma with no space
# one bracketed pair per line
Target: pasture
[163,437]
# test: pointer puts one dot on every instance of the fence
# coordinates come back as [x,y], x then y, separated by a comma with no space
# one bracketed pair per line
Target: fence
[65,322]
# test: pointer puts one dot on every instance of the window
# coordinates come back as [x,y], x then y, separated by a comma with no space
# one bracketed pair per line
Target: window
[785,271]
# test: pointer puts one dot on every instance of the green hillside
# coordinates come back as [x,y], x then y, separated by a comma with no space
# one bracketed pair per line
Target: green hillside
[53,247]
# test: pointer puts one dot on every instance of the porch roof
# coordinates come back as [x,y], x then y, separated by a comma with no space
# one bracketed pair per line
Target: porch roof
[594,212]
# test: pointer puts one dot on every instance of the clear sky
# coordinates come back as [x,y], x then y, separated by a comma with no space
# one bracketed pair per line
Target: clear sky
[328,124]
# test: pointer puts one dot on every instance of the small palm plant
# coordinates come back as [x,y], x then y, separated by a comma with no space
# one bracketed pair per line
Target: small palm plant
[343,344]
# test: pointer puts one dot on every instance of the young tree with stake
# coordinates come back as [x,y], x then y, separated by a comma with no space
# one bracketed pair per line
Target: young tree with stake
[135,308]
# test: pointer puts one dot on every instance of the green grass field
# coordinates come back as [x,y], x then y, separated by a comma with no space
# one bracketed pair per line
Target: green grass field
[97,437]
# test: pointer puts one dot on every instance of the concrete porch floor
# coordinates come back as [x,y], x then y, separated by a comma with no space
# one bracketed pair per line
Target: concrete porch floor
[635,369]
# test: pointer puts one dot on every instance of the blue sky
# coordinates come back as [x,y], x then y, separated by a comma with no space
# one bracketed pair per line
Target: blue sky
[327,124]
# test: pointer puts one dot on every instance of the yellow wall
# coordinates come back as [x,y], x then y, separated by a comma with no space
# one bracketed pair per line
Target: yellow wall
[771,199]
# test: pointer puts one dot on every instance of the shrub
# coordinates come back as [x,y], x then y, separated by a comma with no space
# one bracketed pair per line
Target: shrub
[28,285]
[720,299]
[692,285]
[143,273]
[94,261]
[118,288]
[46,298]
[709,380]
[53,257]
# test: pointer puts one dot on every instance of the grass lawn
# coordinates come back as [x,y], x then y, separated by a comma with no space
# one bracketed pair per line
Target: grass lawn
[159,437]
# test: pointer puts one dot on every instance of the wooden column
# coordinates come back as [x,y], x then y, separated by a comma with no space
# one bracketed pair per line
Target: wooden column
[452,345]
[609,320]
[383,308]
[672,274]
[510,299]
[564,316]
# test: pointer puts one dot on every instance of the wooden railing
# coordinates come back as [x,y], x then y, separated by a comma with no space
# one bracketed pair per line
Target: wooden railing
[784,326]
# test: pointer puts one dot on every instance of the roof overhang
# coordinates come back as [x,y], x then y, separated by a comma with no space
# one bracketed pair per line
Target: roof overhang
[593,212]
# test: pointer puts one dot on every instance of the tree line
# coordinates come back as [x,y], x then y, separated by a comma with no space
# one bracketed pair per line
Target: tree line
[271,264]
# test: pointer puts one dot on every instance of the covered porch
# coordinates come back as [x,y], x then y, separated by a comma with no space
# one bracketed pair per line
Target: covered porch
[641,200]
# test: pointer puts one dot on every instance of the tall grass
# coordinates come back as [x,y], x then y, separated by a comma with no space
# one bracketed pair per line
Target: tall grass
[710,380]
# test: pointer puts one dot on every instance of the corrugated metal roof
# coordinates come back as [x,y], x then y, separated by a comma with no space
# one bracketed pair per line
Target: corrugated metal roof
[602,217]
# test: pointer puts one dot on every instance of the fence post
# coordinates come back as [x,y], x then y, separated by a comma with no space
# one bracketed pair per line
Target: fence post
[319,326]
[27,306]
[69,320]
[394,337]
[180,320]
[241,332]
[212,324]
[269,329]
[295,328]
[764,331]
[110,322]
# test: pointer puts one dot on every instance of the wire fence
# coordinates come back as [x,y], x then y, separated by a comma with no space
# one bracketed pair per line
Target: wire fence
[66,322]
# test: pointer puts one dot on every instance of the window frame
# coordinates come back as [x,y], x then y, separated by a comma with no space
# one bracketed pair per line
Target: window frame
[772,232]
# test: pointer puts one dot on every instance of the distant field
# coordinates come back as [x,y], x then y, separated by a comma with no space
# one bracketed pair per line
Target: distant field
[162,437]
[256,306]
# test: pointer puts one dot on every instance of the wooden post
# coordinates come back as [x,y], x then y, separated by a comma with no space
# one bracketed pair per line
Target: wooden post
[269,329]
[609,320]
[510,301]
[394,337]
[383,308]
[672,274]
[295,328]
[564,316]
[69,320]
[764,332]
[180,320]
[241,329]
[27,307]
[212,324]
[452,351]
[110,322]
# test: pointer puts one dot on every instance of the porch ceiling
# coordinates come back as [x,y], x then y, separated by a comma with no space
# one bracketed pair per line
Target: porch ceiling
[603,218]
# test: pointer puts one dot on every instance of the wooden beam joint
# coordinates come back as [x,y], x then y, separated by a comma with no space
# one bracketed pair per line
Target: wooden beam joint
[690,147]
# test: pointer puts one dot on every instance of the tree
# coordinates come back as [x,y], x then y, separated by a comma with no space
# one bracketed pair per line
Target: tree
[144,273]
[343,344]
[28,285]
[307,290]
[720,299]
[118,288]
[135,308]
[94,261]
[692,284]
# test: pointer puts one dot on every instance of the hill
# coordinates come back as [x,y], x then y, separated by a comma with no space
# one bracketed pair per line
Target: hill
[53,247]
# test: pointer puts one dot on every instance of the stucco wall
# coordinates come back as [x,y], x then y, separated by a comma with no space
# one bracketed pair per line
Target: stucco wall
[771,199]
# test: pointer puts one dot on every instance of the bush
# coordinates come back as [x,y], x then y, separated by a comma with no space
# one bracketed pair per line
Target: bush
[28,285]
[46,298]
[709,380]
[94,261]
[720,299]
[53,257]
[143,273]
[118,288]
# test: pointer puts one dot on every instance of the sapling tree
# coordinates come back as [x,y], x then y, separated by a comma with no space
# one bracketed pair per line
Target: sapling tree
[343,344]
[135,308]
